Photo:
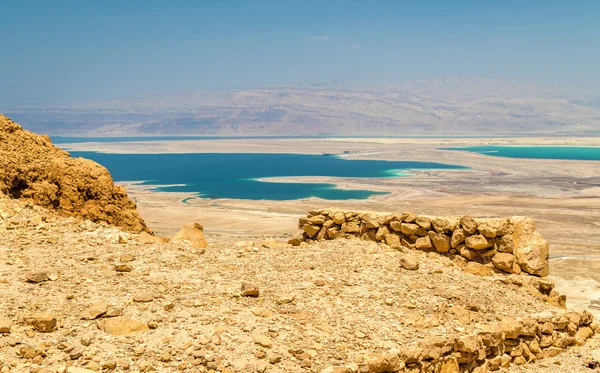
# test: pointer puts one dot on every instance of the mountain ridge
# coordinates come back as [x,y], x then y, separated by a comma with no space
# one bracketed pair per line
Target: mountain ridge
[444,107]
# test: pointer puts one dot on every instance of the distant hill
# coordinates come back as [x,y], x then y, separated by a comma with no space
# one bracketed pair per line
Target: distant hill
[444,107]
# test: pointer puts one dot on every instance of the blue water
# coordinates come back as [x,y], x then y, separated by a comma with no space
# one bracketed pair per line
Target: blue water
[581,153]
[232,175]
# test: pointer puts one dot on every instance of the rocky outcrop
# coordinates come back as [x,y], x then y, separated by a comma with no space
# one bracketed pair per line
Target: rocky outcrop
[32,168]
[509,245]
[191,234]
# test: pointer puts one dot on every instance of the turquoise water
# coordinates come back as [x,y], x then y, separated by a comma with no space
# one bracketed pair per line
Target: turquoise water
[233,175]
[581,153]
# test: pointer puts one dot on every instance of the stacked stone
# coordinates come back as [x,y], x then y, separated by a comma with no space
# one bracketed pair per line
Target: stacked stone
[509,245]
[496,346]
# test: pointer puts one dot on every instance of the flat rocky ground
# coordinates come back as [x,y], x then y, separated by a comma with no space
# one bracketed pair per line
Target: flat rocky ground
[319,305]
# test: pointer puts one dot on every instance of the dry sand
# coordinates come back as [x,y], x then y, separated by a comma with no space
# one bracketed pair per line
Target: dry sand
[562,196]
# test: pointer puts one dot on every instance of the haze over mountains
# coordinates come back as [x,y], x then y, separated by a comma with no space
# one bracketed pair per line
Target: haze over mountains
[436,107]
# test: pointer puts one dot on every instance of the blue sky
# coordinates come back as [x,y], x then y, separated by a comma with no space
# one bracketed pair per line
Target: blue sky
[102,49]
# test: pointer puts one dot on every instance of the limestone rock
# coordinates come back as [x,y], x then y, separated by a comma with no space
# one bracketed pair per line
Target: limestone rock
[470,344]
[478,269]
[511,327]
[192,234]
[530,249]
[33,169]
[339,218]
[440,241]
[392,239]
[505,244]
[441,225]
[43,322]
[370,222]
[423,243]
[436,347]
[143,297]
[122,326]
[468,224]
[412,230]
[478,242]
[488,229]
[264,341]
[5,324]
[396,225]
[409,262]
[123,267]
[95,310]
[250,290]
[37,277]
[350,227]
[458,237]
[504,262]
[296,240]
[424,222]
[468,253]
[382,231]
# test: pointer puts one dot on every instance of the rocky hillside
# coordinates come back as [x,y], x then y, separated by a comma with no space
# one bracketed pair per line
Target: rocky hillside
[113,301]
[32,168]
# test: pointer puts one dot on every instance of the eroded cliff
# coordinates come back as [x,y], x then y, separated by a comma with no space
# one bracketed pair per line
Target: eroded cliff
[32,168]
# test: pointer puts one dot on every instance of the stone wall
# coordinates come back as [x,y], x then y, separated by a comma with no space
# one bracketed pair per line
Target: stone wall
[496,346]
[510,245]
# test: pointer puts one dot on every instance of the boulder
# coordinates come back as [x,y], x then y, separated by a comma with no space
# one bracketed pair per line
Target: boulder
[296,240]
[505,244]
[5,324]
[489,229]
[478,269]
[370,221]
[503,261]
[43,322]
[381,233]
[351,227]
[191,234]
[338,218]
[458,237]
[478,242]
[468,224]
[392,239]
[249,290]
[396,225]
[311,230]
[440,241]
[530,249]
[423,243]
[409,262]
[410,229]
[423,222]
[95,310]
[467,253]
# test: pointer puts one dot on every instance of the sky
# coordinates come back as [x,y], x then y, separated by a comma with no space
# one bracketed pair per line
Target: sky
[93,50]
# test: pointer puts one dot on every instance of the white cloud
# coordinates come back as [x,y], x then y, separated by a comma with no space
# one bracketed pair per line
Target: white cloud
[325,37]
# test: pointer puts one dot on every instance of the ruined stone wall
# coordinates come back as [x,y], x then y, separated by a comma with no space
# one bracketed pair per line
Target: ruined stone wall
[496,346]
[510,245]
